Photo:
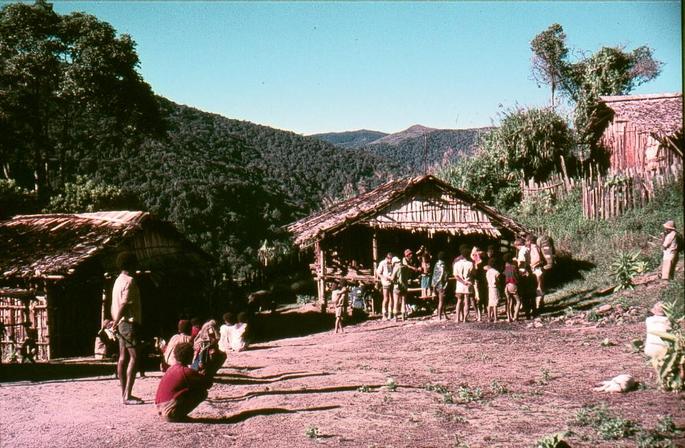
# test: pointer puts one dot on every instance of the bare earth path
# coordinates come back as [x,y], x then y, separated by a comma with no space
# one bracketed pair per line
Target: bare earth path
[334,385]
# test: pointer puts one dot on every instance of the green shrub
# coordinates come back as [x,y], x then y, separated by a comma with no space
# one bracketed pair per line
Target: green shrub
[466,394]
[552,441]
[625,267]
[616,428]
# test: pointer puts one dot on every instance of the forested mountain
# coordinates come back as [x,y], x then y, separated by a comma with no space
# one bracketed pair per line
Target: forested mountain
[350,139]
[410,133]
[231,184]
[411,151]
[414,155]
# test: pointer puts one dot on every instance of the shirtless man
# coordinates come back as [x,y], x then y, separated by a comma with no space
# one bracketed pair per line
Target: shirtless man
[127,318]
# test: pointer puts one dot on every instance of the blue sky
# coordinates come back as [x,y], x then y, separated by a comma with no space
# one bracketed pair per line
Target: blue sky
[323,66]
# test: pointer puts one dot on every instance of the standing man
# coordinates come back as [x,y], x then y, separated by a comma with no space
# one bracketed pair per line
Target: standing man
[384,273]
[537,263]
[127,317]
[671,247]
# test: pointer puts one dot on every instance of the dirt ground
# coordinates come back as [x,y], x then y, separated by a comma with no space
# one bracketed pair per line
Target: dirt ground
[331,390]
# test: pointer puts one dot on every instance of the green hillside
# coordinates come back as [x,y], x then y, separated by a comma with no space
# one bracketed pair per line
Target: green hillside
[350,139]
[439,147]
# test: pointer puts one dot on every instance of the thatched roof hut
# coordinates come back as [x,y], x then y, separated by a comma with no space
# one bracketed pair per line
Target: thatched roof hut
[641,131]
[56,273]
[349,236]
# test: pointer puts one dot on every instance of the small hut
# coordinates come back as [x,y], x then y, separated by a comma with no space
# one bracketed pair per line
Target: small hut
[57,272]
[641,131]
[351,237]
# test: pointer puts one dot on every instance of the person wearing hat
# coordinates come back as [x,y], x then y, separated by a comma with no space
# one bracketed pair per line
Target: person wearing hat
[671,247]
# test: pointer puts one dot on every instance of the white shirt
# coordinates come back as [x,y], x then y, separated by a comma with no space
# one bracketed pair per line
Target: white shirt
[384,272]
[463,268]
[126,294]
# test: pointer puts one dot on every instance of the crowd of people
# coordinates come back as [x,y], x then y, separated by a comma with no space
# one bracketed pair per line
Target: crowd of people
[482,279]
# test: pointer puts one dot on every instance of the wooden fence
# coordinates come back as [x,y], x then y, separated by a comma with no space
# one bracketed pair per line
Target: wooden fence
[608,196]
[557,185]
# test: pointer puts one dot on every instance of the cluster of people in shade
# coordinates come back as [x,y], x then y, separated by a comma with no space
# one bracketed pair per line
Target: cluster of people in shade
[478,279]
[190,360]
[481,279]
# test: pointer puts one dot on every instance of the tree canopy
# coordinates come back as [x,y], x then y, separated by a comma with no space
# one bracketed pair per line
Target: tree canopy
[608,71]
[69,92]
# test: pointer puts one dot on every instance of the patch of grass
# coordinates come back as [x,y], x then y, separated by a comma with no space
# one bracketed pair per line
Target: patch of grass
[448,398]
[466,394]
[439,388]
[607,425]
[666,425]
[312,432]
[552,441]
[615,428]
[498,388]
[545,376]
[592,316]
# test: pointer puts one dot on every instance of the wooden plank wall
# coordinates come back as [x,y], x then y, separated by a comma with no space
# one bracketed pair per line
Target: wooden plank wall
[16,314]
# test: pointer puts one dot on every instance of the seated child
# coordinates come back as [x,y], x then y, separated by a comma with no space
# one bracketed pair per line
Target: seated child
[238,334]
[225,331]
[183,336]
[181,389]
[208,357]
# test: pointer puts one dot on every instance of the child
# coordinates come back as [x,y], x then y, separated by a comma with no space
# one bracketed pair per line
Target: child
[225,331]
[183,335]
[479,286]
[439,283]
[463,272]
[208,357]
[339,299]
[511,293]
[238,333]
[492,278]
[29,349]
[425,258]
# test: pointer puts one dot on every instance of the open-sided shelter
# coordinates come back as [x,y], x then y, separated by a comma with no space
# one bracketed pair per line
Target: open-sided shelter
[352,236]
[57,272]
[641,131]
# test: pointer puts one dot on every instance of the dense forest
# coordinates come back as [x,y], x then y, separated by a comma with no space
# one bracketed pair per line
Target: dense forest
[415,150]
[350,139]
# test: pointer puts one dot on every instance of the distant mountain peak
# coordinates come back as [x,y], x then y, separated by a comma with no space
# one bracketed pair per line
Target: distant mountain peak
[414,131]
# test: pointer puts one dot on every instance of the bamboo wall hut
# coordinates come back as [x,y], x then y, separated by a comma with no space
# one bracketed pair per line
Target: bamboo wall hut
[641,131]
[352,236]
[57,273]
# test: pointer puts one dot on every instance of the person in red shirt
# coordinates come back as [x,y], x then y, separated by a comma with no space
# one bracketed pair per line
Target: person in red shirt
[181,389]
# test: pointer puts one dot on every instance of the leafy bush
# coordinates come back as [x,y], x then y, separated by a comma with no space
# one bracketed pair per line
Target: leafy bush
[616,428]
[625,267]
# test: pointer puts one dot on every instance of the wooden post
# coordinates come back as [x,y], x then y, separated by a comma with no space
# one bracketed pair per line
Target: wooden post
[321,275]
[374,257]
